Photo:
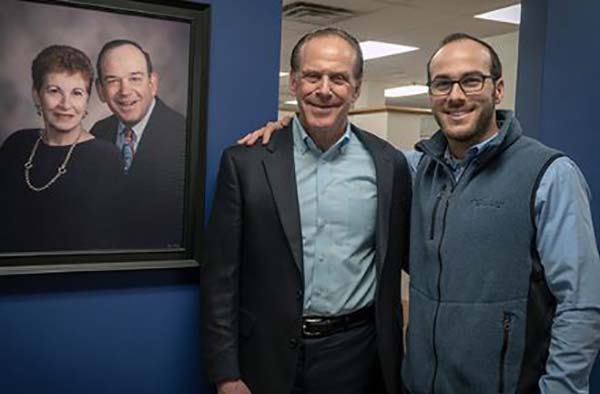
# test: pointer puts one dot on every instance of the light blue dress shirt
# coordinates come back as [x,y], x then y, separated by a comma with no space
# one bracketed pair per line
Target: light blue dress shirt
[337,195]
[567,247]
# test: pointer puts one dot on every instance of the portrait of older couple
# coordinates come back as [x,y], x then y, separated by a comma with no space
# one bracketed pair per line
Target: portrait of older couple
[77,178]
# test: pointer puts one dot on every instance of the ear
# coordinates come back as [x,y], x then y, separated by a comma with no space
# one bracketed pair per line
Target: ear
[100,91]
[154,79]
[499,91]
[36,98]
[292,84]
[357,91]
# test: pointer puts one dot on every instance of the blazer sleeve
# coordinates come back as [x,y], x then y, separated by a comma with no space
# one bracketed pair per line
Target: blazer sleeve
[219,276]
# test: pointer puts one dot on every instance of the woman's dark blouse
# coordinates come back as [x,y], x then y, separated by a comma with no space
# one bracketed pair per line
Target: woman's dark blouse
[77,212]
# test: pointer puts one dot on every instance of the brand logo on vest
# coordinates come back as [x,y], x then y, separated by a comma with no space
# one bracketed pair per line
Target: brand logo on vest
[487,203]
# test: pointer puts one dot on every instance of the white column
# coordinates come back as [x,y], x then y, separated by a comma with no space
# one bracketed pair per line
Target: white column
[371,95]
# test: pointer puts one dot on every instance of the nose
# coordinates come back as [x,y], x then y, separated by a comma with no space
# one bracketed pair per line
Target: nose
[65,101]
[124,87]
[324,88]
[456,92]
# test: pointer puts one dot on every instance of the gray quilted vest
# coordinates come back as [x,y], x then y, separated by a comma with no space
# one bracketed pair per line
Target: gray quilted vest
[480,310]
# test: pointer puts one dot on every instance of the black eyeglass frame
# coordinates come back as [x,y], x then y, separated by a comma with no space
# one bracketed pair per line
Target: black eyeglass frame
[458,81]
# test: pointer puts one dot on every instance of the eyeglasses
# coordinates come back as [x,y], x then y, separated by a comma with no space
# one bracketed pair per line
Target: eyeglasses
[469,84]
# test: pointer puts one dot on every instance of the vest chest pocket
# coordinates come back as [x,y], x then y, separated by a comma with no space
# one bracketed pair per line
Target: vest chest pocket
[434,212]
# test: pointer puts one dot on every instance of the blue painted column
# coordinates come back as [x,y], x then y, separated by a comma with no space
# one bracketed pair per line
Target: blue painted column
[558,88]
[138,331]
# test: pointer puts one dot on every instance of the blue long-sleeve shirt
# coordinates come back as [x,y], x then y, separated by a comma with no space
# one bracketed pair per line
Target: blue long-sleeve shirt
[337,196]
[567,247]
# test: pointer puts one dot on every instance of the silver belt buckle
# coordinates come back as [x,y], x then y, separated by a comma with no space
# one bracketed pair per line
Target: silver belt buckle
[305,322]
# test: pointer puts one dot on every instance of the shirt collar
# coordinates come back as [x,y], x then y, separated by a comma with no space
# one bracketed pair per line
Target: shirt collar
[304,143]
[138,128]
[472,152]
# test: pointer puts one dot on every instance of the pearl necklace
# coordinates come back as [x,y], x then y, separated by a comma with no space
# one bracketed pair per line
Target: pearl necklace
[62,169]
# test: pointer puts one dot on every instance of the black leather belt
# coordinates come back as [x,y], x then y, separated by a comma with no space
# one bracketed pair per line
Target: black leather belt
[322,326]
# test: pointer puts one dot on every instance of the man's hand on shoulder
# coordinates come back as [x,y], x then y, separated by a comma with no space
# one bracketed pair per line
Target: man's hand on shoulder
[265,132]
[233,387]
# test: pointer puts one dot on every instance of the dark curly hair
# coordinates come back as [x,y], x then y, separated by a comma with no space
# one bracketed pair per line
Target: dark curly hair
[61,58]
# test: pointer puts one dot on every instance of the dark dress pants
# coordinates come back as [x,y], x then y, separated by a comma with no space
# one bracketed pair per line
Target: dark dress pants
[344,362]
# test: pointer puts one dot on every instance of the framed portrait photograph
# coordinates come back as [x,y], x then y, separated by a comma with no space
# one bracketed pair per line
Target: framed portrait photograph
[102,139]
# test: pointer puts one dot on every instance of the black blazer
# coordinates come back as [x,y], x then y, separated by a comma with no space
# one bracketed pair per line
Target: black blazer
[153,190]
[251,278]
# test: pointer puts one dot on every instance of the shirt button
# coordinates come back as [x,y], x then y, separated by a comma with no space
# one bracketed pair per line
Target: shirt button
[293,343]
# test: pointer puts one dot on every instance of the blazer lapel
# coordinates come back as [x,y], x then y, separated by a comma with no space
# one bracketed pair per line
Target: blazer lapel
[279,168]
[384,168]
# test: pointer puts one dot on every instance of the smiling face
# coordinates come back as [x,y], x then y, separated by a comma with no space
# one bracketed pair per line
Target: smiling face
[324,84]
[62,100]
[125,85]
[465,119]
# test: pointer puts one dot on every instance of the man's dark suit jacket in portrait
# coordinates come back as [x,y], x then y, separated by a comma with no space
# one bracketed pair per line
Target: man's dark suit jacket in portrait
[153,194]
[252,281]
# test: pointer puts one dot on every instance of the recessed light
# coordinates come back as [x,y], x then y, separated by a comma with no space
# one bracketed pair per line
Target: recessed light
[408,90]
[510,14]
[291,102]
[283,74]
[376,49]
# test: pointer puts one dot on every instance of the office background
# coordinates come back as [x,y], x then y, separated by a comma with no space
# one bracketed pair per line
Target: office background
[137,331]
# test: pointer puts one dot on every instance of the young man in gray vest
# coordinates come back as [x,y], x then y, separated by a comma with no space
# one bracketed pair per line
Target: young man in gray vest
[504,264]
[504,267]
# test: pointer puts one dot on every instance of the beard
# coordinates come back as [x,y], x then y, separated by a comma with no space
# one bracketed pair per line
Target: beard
[476,133]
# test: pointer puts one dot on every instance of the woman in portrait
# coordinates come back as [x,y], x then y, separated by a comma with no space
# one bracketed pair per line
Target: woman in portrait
[58,185]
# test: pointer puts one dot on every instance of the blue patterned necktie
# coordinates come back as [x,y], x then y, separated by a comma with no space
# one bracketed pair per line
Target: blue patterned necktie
[128,148]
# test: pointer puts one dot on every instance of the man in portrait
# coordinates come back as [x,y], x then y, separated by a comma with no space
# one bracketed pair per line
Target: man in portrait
[151,138]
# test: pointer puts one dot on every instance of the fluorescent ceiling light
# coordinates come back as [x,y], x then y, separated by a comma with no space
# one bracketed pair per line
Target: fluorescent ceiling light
[510,14]
[291,102]
[408,90]
[283,74]
[375,49]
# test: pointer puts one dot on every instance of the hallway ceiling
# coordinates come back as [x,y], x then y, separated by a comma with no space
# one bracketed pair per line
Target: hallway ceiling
[420,23]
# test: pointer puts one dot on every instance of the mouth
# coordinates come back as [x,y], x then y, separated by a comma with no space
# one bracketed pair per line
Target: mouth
[322,107]
[62,116]
[458,114]
[127,105]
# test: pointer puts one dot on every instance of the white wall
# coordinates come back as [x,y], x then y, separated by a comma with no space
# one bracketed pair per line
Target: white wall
[507,47]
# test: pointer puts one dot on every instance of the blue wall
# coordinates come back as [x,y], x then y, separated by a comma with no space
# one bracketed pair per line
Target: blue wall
[137,332]
[559,87]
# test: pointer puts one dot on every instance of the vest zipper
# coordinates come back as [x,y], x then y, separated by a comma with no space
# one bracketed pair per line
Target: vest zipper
[506,325]
[439,291]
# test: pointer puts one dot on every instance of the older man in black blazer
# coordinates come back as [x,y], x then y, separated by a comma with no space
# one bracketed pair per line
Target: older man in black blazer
[151,138]
[301,277]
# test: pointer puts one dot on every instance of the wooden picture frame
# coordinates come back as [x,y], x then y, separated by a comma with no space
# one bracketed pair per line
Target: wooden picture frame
[175,34]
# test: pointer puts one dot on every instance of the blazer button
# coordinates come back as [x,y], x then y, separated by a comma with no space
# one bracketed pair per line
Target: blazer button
[299,294]
[293,343]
